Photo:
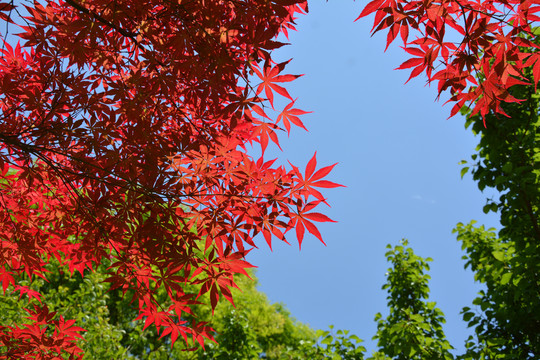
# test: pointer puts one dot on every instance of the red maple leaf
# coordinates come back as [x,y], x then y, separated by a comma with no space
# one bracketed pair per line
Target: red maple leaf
[271,76]
[311,179]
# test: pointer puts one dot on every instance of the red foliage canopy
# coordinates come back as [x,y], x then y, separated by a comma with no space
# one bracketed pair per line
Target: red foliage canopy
[123,136]
[494,45]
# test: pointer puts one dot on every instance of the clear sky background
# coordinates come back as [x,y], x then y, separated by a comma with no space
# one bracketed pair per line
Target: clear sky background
[398,156]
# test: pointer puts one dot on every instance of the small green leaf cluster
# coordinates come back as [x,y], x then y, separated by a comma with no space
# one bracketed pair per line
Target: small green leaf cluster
[337,345]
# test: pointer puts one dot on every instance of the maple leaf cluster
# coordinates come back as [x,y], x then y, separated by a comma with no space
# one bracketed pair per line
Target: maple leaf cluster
[124,128]
[476,49]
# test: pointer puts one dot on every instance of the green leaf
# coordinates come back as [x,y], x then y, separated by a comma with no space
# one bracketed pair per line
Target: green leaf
[507,168]
[327,340]
[467,316]
[499,255]
[506,278]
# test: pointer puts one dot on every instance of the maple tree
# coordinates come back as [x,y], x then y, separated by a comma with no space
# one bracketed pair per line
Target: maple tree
[475,49]
[124,137]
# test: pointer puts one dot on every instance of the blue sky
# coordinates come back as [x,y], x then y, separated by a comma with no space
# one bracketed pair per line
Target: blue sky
[398,156]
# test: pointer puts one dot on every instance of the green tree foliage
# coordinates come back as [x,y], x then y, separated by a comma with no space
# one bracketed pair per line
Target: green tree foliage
[508,264]
[254,328]
[413,328]
[335,346]
[84,299]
